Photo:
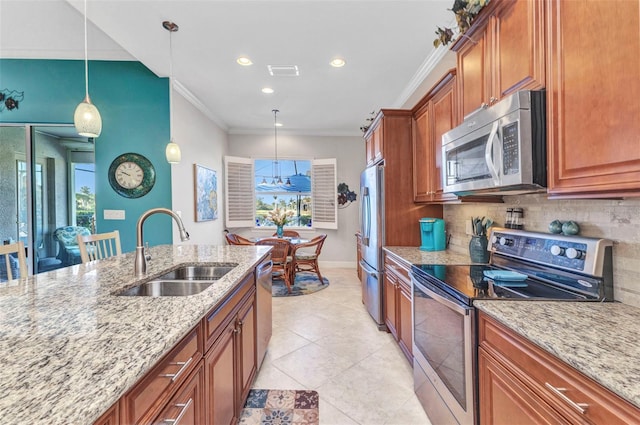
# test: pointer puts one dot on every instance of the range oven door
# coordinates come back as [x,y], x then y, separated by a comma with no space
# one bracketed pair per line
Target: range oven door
[443,347]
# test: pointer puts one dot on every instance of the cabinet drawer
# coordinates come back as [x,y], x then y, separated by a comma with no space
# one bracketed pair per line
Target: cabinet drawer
[215,321]
[574,395]
[399,269]
[152,392]
[186,407]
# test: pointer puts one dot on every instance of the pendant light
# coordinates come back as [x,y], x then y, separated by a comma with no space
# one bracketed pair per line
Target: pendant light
[172,151]
[277,179]
[86,117]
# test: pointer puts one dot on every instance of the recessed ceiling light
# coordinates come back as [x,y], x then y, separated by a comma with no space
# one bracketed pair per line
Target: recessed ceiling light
[267,90]
[244,61]
[337,62]
[278,124]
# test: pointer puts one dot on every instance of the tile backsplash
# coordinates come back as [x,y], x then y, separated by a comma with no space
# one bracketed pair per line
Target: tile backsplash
[618,220]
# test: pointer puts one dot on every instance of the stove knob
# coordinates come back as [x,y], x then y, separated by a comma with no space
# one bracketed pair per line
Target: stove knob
[573,253]
[506,242]
[494,239]
[556,250]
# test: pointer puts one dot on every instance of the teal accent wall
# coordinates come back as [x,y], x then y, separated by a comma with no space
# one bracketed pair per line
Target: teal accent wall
[134,105]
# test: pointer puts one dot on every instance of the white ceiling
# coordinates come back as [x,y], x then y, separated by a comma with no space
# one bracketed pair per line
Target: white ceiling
[387,44]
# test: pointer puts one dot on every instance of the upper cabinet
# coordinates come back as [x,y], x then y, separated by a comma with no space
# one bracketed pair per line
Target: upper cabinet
[373,142]
[593,94]
[502,53]
[433,118]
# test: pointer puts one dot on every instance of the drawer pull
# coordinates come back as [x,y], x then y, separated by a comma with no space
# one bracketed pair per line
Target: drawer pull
[185,407]
[580,407]
[174,376]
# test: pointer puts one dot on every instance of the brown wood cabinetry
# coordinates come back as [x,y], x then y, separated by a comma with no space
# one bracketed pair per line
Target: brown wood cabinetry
[521,383]
[230,363]
[397,302]
[150,396]
[502,53]
[186,407]
[434,115]
[401,214]
[111,416]
[593,93]
[373,143]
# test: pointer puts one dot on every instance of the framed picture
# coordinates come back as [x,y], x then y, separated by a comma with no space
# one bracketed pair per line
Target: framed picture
[206,182]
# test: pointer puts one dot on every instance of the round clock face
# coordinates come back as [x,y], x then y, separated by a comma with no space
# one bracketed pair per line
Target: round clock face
[131,175]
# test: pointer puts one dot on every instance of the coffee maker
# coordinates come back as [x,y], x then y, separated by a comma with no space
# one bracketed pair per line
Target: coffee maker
[432,234]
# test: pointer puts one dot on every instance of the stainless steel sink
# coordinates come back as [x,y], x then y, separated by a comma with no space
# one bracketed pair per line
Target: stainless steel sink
[183,281]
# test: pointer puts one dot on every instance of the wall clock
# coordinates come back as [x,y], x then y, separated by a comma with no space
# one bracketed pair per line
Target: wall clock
[131,175]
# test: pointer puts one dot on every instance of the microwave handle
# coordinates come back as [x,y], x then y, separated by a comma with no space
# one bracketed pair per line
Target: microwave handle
[488,150]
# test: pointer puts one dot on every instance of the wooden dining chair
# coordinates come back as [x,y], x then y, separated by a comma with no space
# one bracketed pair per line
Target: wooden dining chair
[235,239]
[99,246]
[13,266]
[305,257]
[281,258]
[289,234]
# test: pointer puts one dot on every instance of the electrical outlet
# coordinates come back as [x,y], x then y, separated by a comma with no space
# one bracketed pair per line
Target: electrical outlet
[468,228]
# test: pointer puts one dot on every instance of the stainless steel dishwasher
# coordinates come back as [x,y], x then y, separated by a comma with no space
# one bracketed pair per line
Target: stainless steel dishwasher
[263,308]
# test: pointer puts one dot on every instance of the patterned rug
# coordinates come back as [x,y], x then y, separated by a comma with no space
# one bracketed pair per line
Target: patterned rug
[306,283]
[280,407]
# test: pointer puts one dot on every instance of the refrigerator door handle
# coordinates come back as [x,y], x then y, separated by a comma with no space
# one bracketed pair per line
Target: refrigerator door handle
[365,199]
[368,270]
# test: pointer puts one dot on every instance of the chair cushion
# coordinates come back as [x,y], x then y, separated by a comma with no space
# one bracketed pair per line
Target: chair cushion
[305,256]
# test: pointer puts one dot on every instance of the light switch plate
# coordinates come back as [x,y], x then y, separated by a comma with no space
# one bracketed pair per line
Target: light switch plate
[114,215]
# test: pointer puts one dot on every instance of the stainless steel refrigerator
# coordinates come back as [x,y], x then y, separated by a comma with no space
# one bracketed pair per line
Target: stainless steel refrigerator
[372,234]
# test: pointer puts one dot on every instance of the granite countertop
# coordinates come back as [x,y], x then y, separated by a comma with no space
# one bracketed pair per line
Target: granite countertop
[413,255]
[69,348]
[601,340]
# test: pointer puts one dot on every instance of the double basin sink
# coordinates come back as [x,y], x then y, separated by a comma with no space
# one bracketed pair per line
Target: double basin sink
[183,281]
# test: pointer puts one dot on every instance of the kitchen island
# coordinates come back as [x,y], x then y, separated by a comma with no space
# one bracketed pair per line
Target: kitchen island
[70,348]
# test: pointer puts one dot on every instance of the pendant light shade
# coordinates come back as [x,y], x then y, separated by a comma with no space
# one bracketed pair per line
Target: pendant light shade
[87,118]
[172,151]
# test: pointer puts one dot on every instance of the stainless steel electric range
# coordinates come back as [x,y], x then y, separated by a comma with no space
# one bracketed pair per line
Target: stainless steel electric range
[555,267]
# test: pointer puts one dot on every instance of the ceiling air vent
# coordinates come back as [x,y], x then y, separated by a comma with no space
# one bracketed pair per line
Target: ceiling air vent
[283,70]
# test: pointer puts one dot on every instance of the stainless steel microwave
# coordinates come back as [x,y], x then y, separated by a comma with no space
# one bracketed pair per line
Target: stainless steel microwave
[498,150]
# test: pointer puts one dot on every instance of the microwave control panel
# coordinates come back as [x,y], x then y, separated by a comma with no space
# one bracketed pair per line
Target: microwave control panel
[510,149]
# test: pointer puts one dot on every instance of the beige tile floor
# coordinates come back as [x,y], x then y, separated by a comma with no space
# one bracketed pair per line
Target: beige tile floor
[327,342]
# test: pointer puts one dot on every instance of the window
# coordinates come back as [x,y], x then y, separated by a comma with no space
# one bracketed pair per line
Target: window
[306,187]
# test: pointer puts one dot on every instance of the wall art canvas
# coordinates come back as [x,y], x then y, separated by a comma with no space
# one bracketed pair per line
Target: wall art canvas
[206,193]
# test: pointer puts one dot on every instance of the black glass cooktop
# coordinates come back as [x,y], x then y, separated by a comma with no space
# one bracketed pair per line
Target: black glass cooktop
[467,283]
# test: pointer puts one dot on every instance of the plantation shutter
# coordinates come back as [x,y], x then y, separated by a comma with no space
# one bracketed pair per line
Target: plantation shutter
[325,193]
[239,192]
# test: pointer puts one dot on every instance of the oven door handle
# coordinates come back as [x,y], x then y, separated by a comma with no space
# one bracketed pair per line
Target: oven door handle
[464,310]
[488,150]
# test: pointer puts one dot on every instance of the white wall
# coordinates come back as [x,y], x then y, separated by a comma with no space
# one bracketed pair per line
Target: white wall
[203,143]
[340,246]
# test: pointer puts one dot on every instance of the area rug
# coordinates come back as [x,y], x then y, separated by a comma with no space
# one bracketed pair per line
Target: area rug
[306,283]
[280,407]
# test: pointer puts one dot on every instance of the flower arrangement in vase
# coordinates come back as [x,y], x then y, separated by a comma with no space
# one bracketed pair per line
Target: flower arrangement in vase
[465,11]
[279,217]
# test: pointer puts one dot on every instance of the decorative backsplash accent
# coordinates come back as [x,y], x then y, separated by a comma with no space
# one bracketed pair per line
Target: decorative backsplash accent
[618,220]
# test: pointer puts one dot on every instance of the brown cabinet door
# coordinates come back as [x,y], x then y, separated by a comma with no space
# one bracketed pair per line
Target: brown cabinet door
[405,322]
[445,118]
[110,417]
[247,347]
[504,400]
[518,62]
[593,93]
[186,407]
[220,379]
[389,297]
[473,74]
[423,159]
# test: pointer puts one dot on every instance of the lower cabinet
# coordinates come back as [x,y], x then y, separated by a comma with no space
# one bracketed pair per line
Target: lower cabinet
[397,303]
[521,383]
[206,377]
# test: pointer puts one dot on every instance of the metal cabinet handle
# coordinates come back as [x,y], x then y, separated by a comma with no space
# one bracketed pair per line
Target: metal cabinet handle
[185,407]
[175,376]
[580,407]
[493,100]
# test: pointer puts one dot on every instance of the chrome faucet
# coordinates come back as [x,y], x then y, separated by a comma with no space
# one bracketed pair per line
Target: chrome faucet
[140,262]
